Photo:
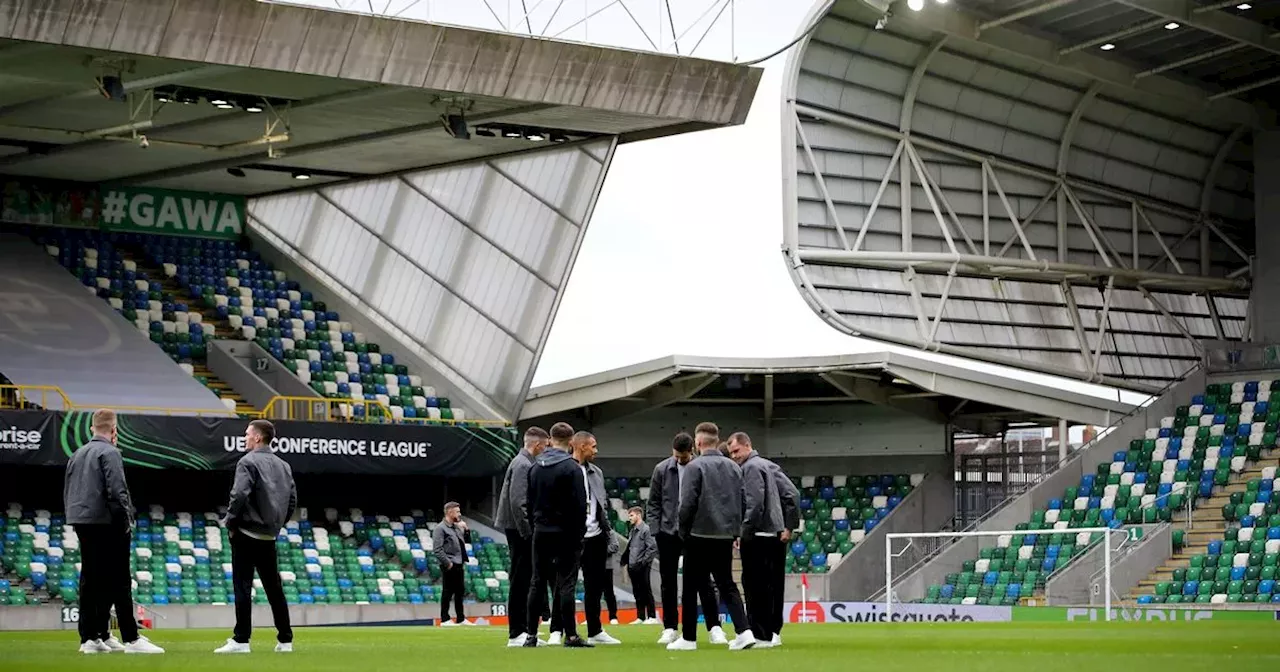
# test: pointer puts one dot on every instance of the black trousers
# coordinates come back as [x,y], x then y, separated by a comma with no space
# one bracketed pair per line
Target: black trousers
[452,590]
[670,547]
[105,582]
[610,597]
[247,556]
[556,557]
[597,581]
[779,569]
[705,561]
[761,573]
[640,587]
[521,578]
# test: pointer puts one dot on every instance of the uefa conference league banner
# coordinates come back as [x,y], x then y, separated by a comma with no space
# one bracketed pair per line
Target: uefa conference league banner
[165,442]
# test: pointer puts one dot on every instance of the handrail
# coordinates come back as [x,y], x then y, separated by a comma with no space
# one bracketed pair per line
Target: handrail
[310,409]
[1027,485]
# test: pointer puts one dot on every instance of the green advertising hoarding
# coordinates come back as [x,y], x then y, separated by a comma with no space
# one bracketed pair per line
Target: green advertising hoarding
[138,210]
[1137,614]
[166,212]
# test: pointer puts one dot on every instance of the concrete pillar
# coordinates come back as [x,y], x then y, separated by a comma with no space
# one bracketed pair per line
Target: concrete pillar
[1064,439]
[1264,303]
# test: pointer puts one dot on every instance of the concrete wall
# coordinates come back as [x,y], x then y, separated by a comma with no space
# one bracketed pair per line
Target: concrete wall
[1131,561]
[1265,298]
[914,584]
[236,363]
[928,508]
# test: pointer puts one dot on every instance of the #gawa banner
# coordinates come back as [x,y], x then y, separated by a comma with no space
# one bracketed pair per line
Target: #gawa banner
[165,442]
[182,213]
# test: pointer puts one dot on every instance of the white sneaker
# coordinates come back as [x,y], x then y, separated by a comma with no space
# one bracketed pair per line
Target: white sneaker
[603,638]
[94,646]
[668,636]
[232,646]
[652,621]
[763,643]
[517,641]
[450,624]
[777,640]
[142,645]
[613,621]
[718,636]
[114,645]
[466,622]
[744,640]
[554,639]
[682,645]
[638,621]
[284,647]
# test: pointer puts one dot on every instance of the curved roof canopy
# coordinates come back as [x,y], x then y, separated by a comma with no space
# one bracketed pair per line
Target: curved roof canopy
[1080,195]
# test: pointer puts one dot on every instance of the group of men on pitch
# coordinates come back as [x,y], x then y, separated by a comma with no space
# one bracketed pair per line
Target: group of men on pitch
[553,507]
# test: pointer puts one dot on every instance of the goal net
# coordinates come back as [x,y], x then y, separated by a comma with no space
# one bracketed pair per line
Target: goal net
[1003,568]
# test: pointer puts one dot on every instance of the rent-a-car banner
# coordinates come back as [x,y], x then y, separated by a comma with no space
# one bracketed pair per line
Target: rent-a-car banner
[875,612]
[164,442]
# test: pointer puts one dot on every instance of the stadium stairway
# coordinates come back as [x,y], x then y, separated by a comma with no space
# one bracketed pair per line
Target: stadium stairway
[220,327]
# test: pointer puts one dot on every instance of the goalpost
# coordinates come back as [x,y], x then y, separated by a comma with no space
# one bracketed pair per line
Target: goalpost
[921,546]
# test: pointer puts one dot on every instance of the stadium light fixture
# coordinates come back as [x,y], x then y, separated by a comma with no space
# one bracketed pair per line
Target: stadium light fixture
[536,136]
[485,132]
[220,103]
[1244,6]
[456,126]
[1107,47]
[1172,25]
[235,172]
[915,5]
[252,106]
[299,175]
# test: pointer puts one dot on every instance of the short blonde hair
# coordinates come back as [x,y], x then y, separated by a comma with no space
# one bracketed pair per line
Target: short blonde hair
[104,420]
[707,435]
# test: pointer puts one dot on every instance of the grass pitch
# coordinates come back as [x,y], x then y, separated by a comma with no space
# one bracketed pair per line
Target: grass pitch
[1015,647]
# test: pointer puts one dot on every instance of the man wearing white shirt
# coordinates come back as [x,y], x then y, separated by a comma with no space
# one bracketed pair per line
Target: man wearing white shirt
[598,543]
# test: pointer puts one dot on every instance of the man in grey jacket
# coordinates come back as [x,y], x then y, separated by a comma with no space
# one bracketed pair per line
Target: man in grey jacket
[598,542]
[768,508]
[513,518]
[710,521]
[98,506]
[641,551]
[263,499]
[661,516]
[449,544]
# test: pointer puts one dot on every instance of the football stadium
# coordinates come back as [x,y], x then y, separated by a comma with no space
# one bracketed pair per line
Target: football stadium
[279,278]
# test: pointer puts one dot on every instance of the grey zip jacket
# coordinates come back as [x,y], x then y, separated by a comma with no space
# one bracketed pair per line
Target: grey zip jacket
[513,500]
[448,544]
[662,509]
[761,501]
[263,496]
[642,548]
[95,492]
[711,497]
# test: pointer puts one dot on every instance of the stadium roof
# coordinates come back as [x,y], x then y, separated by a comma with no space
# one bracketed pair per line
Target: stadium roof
[349,95]
[969,399]
[1079,177]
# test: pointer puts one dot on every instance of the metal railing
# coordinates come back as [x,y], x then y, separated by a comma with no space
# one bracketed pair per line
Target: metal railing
[306,409]
[1024,487]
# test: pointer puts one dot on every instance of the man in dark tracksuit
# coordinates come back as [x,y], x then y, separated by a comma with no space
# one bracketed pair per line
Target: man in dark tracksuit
[663,505]
[558,515]
[710,521]
[449,544]
[599,542]
[263,499]
[764,531]
[642,548]
[96,499]
[513,518]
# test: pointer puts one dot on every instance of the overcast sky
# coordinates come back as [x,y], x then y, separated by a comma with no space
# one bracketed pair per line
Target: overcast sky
[683,253]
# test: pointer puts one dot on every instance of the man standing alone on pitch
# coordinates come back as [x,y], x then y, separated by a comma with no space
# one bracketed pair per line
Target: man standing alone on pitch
[642,548]
[710,521]
[96,499]
[449,543]
[767,505]
[558,513]
[663,507]
[263,499]
[513,518]
[598,542]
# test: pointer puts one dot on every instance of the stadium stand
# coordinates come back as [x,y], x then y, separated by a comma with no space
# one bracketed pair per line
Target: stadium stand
[183,292]
[837,512]
[1205,448]
[184,558]
[55,336]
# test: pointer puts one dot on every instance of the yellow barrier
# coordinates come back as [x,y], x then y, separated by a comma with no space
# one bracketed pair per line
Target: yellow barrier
[308,409]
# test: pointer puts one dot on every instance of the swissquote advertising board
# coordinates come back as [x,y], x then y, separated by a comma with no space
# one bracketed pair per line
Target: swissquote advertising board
[874,612]
[164,442]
